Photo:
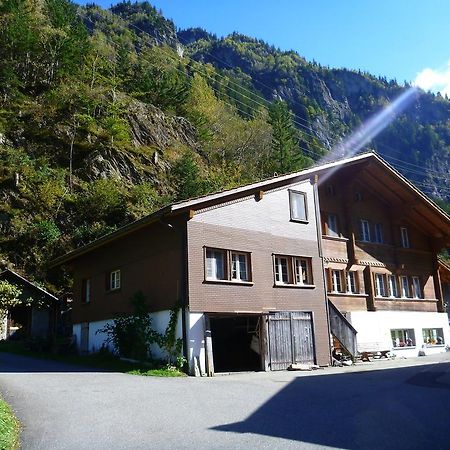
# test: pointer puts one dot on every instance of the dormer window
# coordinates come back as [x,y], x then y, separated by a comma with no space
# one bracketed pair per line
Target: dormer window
[298,206]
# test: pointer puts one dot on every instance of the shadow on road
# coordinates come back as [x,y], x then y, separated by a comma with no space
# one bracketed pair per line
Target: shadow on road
[11,363]
[403,408]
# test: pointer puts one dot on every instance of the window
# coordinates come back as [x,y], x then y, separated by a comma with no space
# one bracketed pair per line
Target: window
[336,281]
[417,288]
[302,271]
[358,197]
[433,336]
[405,237]
[297,202]
[114,280]
[330,189]
[380,285]
[379,233]
[364,230]
[404,286]
[86,291]
[227,265]
[351,282]
[403,338]
[239,266]
[393,286]
[293,270]
[332,226]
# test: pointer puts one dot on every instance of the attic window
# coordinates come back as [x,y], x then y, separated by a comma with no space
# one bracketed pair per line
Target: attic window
[358,196]
[330,189]
[298,206]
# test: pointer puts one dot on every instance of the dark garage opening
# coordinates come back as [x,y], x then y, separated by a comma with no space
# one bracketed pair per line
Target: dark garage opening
[232,341]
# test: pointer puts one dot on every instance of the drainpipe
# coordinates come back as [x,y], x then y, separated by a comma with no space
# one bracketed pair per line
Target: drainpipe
[319,246]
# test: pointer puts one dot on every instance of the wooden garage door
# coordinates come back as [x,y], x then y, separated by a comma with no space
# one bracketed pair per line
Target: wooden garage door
[291,339]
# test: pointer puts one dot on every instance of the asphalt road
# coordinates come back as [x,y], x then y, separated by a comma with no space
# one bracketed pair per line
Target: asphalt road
[63,407]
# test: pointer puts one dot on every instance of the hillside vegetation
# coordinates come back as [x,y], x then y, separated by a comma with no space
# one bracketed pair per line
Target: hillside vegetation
[107,115]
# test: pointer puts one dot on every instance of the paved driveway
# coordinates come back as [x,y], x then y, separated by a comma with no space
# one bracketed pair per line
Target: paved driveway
[62,407]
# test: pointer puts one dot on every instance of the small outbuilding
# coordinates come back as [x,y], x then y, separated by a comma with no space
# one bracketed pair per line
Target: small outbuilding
[36,315]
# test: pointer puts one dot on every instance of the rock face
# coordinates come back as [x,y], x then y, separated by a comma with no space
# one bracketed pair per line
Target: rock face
[151,127]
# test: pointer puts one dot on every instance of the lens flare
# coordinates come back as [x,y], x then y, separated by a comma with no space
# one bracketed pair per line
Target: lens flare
[372,127]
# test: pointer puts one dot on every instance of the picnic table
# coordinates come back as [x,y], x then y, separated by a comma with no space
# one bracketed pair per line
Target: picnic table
[365,355]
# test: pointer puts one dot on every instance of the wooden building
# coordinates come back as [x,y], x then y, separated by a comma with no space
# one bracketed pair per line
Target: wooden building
[37,319]
[253,267]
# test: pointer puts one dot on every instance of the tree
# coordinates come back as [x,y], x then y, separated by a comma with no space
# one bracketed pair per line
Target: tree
[286,153]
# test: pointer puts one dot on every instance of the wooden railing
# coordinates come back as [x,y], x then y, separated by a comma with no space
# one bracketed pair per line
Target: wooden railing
[342,329]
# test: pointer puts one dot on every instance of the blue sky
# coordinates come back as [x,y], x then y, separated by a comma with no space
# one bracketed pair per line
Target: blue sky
[401,39]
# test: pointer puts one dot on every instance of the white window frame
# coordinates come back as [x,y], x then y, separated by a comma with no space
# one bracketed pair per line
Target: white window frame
[416,287]
[393,286]
[115,280]
[404,288]
[305,271]
[280,278]
[405,237]
[436,335]
[380,285]
[332,225]
[296,215]
[212,271]
[403,335]
[236,269]
[378,233]
[352,287]
[336,281]
[365,230]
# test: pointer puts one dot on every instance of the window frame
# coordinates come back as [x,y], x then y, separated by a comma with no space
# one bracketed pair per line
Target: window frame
[392,277]
[417,291]
[86,290]
[114,280]
[363,230]
[378,233]
[402,286]
[333,233]
[352,274]
[238,267]
[227,257]
[438,336]
[291,271]
[381,293]
[292,194]
[404,236]
[337,285]
[407,336]
[214,270]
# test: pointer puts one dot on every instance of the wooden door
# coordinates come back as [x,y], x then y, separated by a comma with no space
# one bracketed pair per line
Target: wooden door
[291,339]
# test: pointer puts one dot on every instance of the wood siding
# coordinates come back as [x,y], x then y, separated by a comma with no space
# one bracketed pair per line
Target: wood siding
[150,260]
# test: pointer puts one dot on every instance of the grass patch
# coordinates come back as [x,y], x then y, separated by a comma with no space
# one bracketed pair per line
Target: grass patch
[9,428]
[103,360]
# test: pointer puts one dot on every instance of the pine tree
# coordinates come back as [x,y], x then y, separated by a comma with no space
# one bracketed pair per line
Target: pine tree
[286,153]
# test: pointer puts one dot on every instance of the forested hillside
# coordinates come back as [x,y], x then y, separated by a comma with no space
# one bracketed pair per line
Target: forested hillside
[107,115]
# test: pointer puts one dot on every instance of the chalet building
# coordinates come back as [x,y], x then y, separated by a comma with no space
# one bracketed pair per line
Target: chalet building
[264,272]
[381,238]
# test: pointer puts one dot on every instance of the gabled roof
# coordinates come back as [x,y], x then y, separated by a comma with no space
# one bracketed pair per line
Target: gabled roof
[8,272]
[194,204]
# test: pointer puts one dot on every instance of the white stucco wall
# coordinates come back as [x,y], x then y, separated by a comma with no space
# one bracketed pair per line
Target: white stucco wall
[374,330]
[196,344]
[160,321]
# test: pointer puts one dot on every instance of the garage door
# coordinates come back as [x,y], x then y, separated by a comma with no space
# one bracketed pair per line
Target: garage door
[291,339]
